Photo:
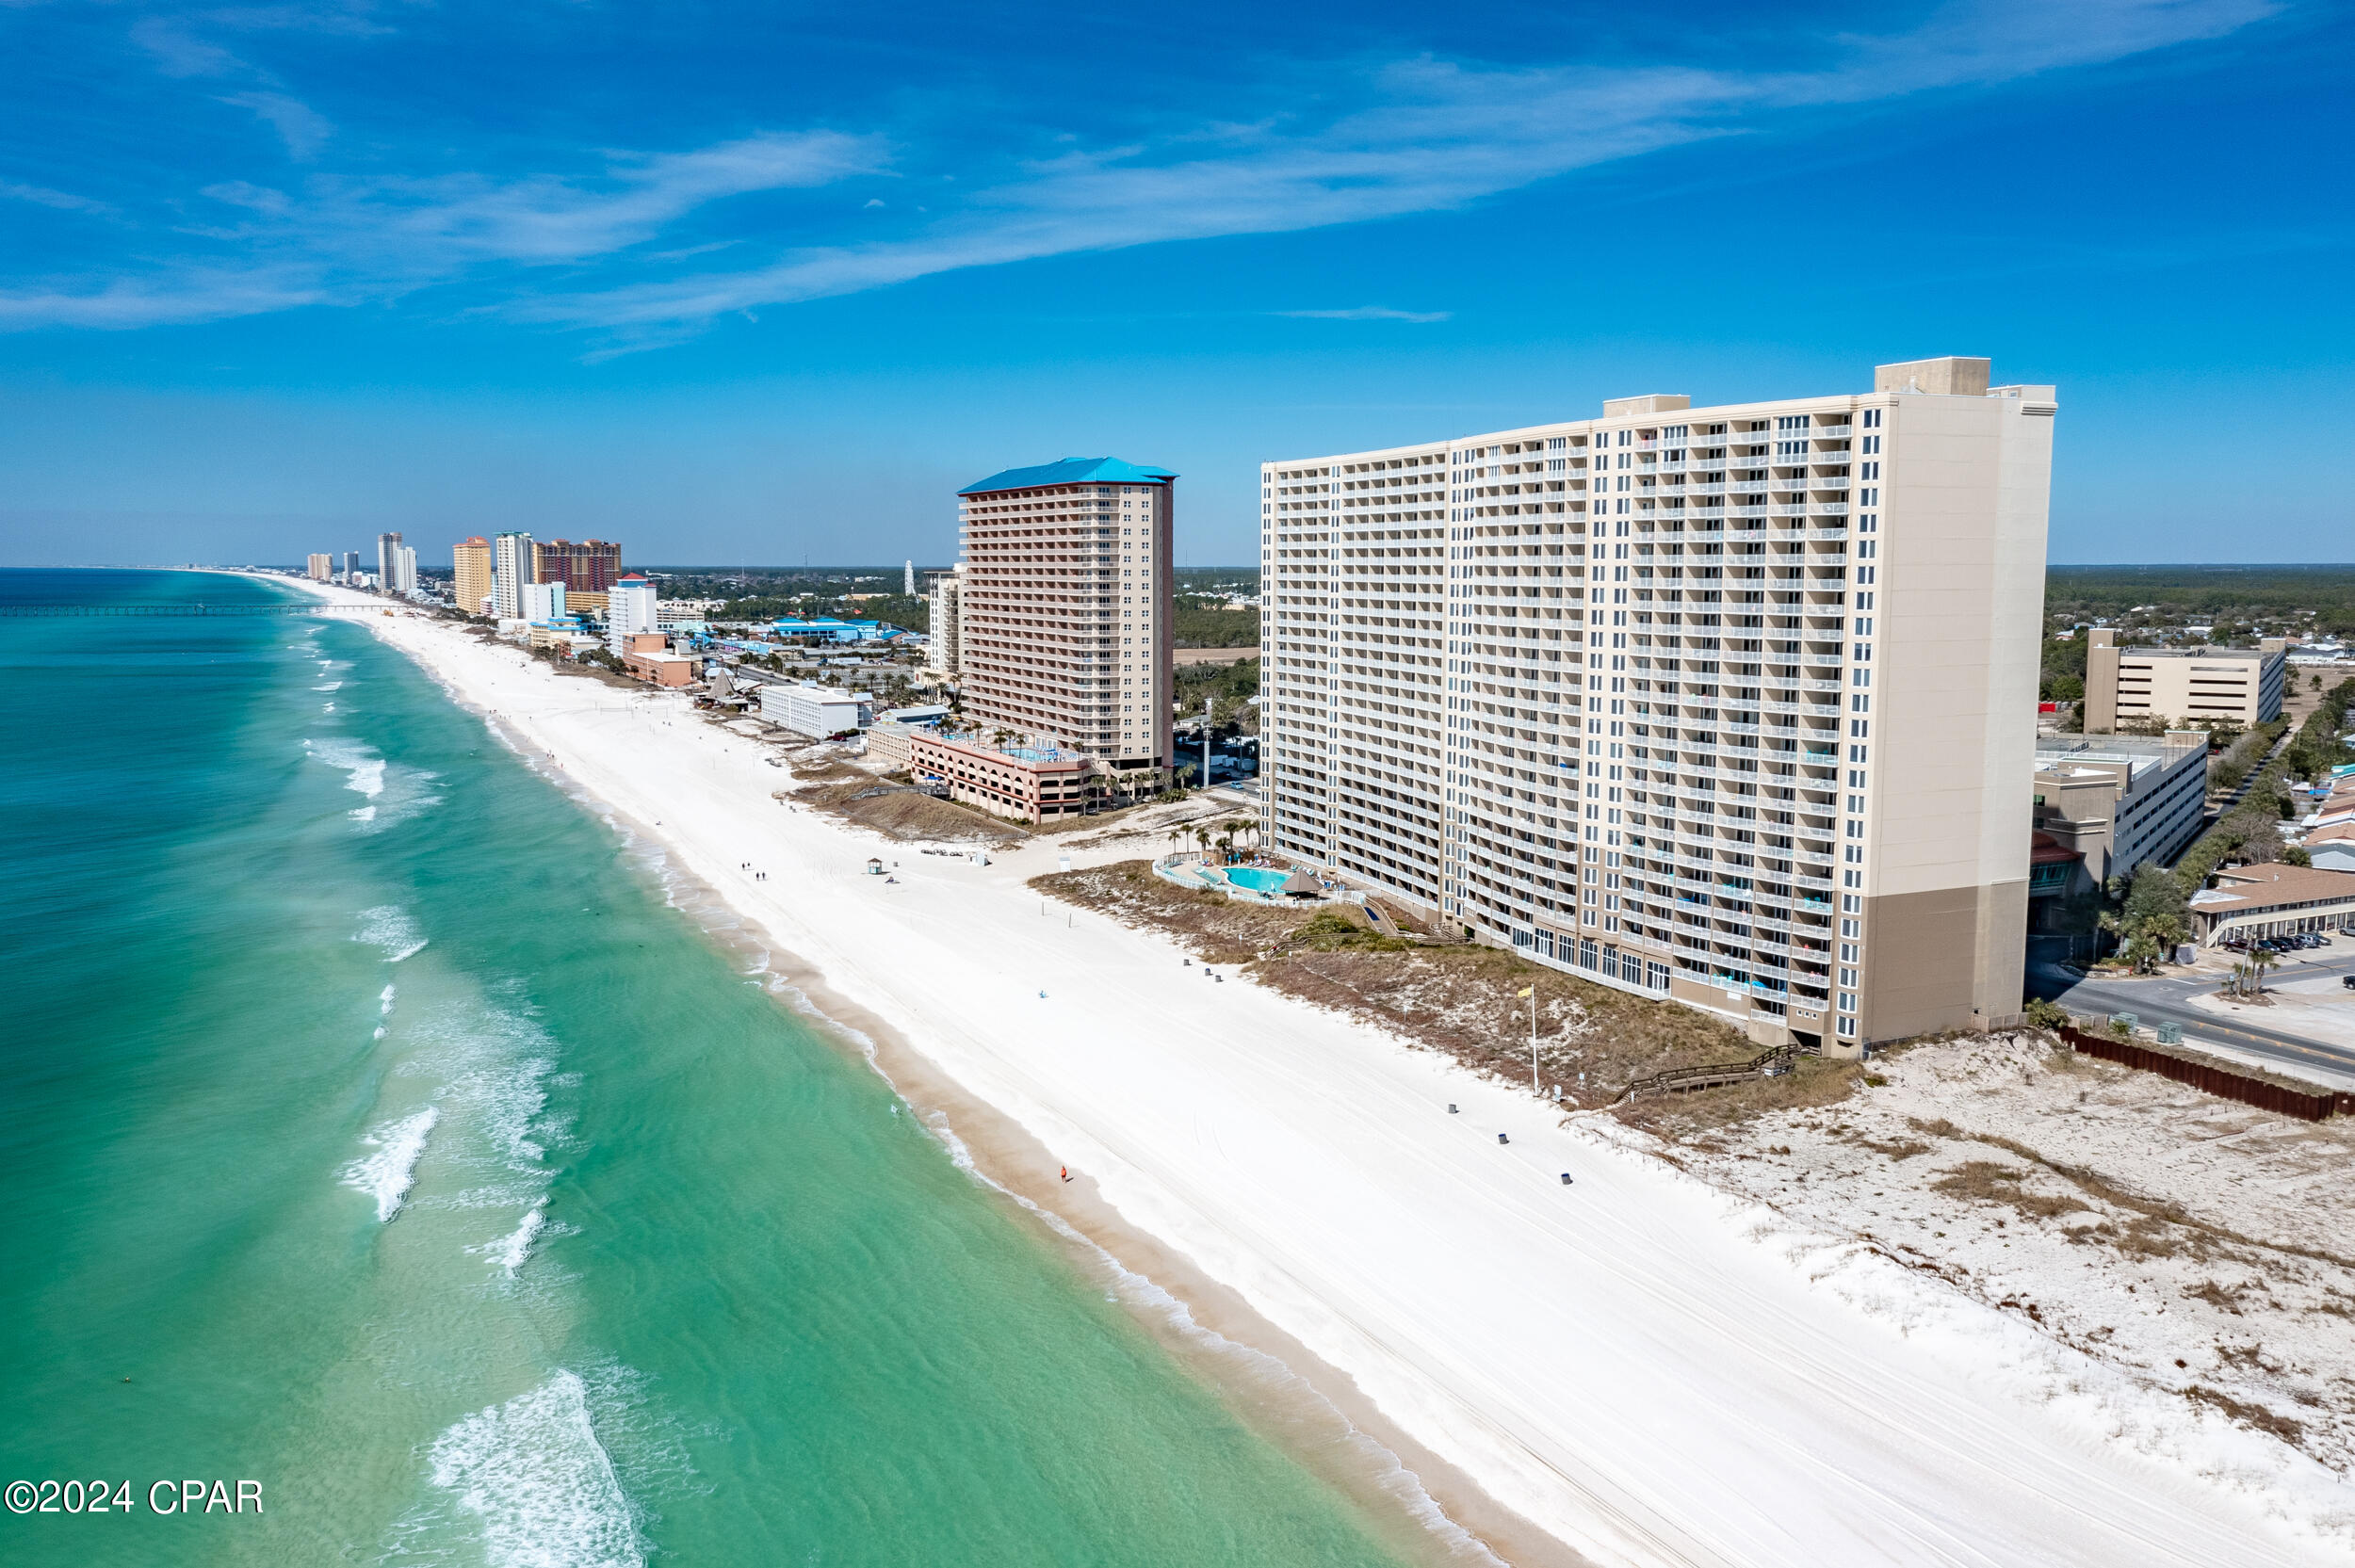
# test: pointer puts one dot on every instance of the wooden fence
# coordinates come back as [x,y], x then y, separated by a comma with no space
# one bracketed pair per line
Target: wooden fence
[2307,1106]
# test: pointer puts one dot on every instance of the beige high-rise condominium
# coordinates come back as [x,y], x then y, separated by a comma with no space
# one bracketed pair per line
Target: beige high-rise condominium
[470,575]
[322,568]
[1063,605]
[1732,704]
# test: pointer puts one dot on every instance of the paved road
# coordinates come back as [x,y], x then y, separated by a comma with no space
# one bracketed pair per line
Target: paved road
[2168,1000]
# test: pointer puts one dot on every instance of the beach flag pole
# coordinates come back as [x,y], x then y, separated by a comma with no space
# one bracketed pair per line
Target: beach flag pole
[1532,994]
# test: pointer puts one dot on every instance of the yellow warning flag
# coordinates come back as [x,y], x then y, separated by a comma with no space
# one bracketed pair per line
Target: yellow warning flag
[1527,989]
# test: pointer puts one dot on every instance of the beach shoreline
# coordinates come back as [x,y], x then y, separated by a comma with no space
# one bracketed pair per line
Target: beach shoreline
[1623,1368]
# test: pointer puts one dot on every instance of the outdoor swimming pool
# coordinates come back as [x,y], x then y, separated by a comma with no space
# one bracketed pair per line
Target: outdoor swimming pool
[1258,879]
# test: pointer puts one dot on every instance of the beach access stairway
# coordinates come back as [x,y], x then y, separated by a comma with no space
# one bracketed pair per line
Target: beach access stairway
[1680,1080]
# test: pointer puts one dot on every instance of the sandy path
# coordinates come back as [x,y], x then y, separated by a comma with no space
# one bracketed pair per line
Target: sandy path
[1623,1362]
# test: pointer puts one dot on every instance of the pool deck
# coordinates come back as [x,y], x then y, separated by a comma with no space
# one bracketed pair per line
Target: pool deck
[1191,871]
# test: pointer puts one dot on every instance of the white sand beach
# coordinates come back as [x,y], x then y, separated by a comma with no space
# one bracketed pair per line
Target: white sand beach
[1637,1364]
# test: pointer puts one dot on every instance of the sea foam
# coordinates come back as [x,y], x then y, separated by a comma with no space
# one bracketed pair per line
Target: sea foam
[388,928]
[387,1174]
[394,794]
[545,1490]
[367,772]
[510,1250]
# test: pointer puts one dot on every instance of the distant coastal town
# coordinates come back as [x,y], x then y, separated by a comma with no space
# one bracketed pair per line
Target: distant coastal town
[1601,692]
[1731,791]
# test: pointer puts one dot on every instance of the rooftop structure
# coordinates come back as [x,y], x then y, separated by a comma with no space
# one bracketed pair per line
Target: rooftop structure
[2122,800]
[2254,902]
[1063,605]
[2181,686]
[1731,704]
[1033,783]
[660,667]
[828,629]
[807,708]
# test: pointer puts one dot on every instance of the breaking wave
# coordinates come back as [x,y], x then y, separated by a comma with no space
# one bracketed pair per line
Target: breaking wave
[388,928]
[510,1250]
[387,1174]
[540,1484]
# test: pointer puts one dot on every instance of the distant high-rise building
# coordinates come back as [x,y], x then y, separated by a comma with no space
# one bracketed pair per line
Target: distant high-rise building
[543,602]
[629,611]
[511,569]
[351,564]
[2187,687]
[387,560]
[941,647]
[1728,705]
[404,578]
[588,566]
[322,568]
[908,579]
[470,577]
[1064,616]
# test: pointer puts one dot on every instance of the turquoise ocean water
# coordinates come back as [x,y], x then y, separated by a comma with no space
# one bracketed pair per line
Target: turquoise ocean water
[375,1129]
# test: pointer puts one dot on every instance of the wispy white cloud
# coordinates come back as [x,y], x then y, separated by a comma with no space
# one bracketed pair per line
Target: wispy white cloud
[188,297]
[1417,136]
[1368,313]
[352,20]
[1433,135]
[181,53]
[42,196]
[303,129]
[545,219]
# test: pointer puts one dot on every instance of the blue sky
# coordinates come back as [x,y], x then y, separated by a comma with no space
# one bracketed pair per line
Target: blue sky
[765,284]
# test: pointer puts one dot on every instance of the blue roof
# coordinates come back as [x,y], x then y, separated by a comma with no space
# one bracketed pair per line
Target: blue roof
[1071,471]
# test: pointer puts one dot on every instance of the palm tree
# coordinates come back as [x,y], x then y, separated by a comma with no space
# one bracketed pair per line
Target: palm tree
[2260,960]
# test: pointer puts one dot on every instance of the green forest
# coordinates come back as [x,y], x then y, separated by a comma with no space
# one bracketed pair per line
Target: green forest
[2238,601]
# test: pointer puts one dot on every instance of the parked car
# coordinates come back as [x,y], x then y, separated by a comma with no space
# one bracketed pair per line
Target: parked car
[2347,980]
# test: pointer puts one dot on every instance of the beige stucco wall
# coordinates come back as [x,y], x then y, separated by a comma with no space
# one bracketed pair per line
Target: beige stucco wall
[1960,594]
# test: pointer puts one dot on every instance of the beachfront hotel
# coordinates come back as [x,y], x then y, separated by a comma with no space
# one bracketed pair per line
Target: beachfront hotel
[1063,606]
[470,574]
[588,566]
[512,566]
[941,642]
[1731,706]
